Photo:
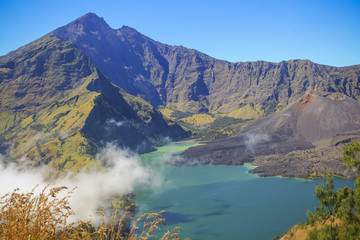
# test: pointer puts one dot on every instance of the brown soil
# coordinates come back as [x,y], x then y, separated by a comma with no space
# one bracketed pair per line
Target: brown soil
[303,102]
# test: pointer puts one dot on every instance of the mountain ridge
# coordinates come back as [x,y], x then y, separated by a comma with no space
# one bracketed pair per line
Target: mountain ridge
[129,77]
[184,79]
[57,107]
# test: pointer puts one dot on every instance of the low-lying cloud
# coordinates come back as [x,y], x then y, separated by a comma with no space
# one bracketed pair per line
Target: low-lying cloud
[252,139]
[111,122]
[17,175]
[178,160]
[124,171]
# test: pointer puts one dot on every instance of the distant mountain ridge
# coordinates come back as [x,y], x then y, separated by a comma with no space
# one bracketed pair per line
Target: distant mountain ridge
[187,80]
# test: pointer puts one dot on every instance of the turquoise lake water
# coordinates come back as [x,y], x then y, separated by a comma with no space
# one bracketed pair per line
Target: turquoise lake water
[225,202]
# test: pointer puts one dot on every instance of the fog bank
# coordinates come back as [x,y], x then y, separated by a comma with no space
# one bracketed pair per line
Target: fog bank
[124,171]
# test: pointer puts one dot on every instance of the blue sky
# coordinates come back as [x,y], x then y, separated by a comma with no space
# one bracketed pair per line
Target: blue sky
[324,31]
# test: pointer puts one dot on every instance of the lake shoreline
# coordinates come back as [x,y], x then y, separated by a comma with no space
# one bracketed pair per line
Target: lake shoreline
[288,165]
[226,202]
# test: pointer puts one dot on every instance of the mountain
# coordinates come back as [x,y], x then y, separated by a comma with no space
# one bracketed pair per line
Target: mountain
[187,80]
[301,140]
[65,95]
[56,106]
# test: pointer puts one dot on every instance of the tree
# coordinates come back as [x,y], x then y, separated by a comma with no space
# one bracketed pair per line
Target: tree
[324,214]
[351,155]
[342,206]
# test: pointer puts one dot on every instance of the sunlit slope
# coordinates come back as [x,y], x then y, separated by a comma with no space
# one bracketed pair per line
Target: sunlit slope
[55,106]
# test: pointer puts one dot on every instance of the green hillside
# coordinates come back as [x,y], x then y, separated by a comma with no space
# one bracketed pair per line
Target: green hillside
[55,106]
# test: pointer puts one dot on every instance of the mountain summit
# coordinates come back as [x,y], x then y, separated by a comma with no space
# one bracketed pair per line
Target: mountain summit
[57,107]
[119,54]
[83,26]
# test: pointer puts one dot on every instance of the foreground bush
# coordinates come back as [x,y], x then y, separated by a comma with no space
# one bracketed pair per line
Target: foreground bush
[338,216]
[46,216]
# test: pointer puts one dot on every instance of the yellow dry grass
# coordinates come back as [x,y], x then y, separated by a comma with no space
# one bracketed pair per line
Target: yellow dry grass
[296,233]
[167,112]
[247,112]
[199,119]
[45,216]
[24,216]
[299,232]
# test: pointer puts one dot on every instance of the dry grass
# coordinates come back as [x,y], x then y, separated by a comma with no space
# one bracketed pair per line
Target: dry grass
[300,232]
[199,119]
[45,216]
[26,216]
[247,112]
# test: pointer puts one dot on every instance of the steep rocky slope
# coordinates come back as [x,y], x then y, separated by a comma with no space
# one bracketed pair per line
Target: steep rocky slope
[187,80]
[301,139]
[56,106]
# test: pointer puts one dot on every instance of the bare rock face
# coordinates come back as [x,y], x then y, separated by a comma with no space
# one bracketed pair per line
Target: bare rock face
[188,80]
[278,143]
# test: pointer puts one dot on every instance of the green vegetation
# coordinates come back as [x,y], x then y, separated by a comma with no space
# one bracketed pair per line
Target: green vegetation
[270,107]
[179,114]
[335,209]
[338,216]
[220,128]
[199,119]
[222,122]
[55,105]
[206,126]
[46,216]
[351,155]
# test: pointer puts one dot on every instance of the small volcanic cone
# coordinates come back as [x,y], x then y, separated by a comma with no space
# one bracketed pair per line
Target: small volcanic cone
[310,119]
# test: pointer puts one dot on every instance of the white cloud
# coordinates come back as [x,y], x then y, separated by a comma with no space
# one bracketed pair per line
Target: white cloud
[124,171]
